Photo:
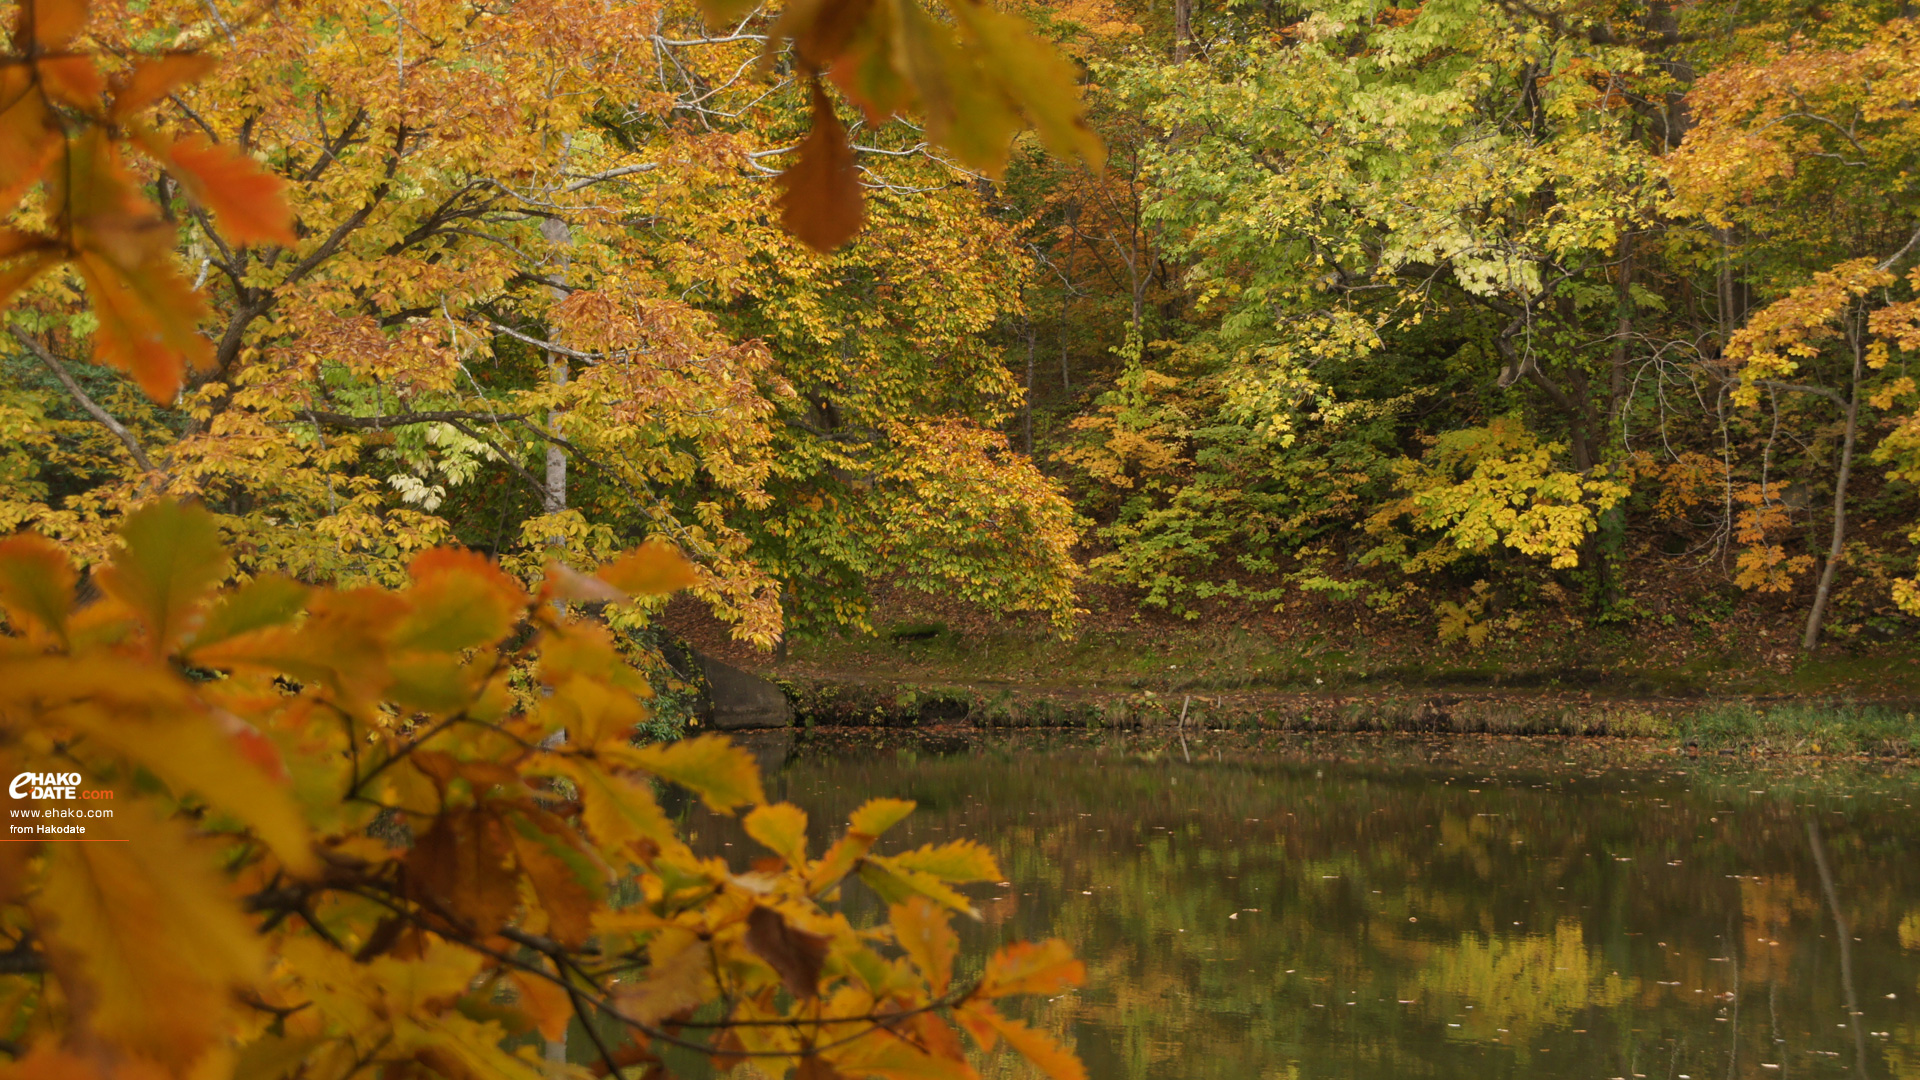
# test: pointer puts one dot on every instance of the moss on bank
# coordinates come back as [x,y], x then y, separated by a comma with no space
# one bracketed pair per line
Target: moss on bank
[1829,727]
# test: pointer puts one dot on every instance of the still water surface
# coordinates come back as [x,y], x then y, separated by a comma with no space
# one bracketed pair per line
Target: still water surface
[1382,907]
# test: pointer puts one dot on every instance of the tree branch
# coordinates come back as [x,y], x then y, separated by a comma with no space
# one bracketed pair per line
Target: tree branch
[93,409]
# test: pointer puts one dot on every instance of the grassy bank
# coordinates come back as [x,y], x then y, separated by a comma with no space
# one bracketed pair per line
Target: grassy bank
[1737,685]
[1706,726]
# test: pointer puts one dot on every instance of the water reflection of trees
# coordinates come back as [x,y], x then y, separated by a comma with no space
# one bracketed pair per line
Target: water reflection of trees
[1439,919]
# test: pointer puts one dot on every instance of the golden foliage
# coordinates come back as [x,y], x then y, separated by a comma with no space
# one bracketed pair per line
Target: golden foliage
[354,840]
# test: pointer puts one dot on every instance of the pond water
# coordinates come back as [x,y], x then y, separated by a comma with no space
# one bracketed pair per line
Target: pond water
[1397,907]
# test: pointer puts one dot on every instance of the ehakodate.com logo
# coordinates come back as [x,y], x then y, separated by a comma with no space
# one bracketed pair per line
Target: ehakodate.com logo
[52,785]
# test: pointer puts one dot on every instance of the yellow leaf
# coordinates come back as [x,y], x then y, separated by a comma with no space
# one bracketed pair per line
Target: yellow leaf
[928,939]
[876,816]
[194,753]
[173,558]
[711,766]
[460,601]
[268,600]
[145,939]
[36,582]
[782,829]
[960,860]
[896,885]
[1036,75]
[617,811]
[896,1059]
[680,977]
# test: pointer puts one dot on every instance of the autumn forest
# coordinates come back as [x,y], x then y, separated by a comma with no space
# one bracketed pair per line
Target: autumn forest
[378,376]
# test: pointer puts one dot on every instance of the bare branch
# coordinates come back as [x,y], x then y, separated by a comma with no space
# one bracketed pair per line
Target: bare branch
[93,408]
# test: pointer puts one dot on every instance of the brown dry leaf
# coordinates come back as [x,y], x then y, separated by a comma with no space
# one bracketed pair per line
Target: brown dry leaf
[794,953]
[460,867]
[821,200]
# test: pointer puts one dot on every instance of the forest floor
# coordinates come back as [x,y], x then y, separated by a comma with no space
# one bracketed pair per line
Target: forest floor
[1719,679]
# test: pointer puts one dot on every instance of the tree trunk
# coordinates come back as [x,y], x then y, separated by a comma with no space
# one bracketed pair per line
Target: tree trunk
[1182,30]
[1622,328]
[1066,295]
[554,498]
[1836,550]
[1027,411]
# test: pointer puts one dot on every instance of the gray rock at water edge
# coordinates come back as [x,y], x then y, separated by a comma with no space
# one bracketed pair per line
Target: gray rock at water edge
[738,700]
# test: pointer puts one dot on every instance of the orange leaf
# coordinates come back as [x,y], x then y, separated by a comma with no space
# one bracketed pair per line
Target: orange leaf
[146,325]
[249,201]
[146,939]
[1027,968]
[978,1017]
[48,1062]
[460,600]
[939,1037]
[28,138]
[655,568]
[72,79]
[564,875]
[13,242]
[50,24]
[821,201]
[817,1068]
[544,1002]
[154,79]
[565,583]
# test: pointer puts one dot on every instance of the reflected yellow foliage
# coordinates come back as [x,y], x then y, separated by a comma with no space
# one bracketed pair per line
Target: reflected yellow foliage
[1525,983]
